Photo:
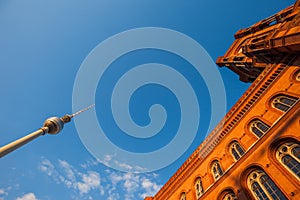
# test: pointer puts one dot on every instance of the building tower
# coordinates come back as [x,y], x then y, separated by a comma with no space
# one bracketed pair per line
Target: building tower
[254,153]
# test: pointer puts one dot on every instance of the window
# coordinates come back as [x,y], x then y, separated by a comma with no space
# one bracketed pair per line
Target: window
[198,187]
[288,154]
[216,170]
[297,75]
[230,196]
[283,102]
[183,196]
[258,127]
[236,150]
[262,187]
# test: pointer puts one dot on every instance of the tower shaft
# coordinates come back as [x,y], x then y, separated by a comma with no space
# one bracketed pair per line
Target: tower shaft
[52,125]
[20,142]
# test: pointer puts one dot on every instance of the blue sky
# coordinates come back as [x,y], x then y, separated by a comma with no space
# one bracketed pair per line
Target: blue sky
[42,46]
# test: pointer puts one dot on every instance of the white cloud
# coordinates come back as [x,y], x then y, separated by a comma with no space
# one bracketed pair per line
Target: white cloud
[124,166]
[108,157]
[111,185]
[81,182]
[68,169]
[115,178]
[109,161]
[3,192]
[47,167]
[90,163]
[127,167]
[112,194]
[133,185]
[131,182]
[29,196]
[91,180]
[150,187]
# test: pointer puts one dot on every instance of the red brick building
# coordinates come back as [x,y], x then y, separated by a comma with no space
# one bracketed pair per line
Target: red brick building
[254,153]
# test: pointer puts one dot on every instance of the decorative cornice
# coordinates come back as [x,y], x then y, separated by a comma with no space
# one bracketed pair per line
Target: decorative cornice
[236,113]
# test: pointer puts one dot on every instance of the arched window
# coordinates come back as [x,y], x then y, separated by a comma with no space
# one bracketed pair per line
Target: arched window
[236,150]
[297,75]
[258,127]
[216,169]
[198,187]
[283,102]
[230,196]
[183,196]
[262,187]
[289,155]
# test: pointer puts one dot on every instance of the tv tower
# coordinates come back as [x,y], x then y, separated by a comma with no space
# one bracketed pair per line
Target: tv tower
[52,125]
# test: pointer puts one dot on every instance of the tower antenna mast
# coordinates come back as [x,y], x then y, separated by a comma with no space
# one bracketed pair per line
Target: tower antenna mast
[52,125]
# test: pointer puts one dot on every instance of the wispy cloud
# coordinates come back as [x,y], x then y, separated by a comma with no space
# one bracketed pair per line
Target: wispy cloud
[133,185]
[127,167]
[150,187]
[90,163]
[110,184]
[3,193]
[91,180]
[109,161]
[47,167]
[80,182]
[29,196]
[68,170]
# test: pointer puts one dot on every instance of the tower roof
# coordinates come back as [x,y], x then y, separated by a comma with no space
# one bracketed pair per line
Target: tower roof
[266,42]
